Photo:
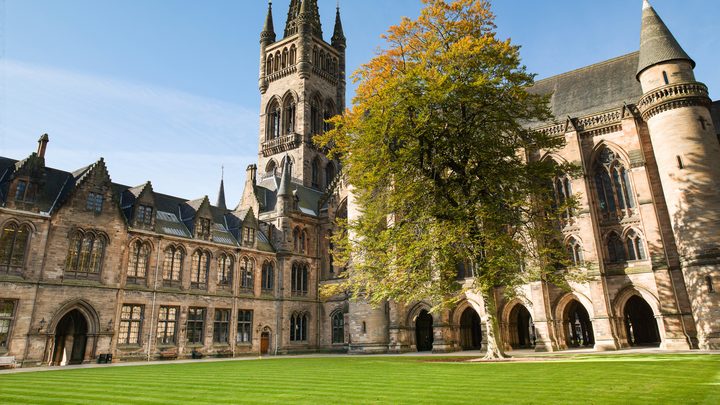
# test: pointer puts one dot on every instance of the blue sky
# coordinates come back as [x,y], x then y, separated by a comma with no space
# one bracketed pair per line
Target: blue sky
[166,90]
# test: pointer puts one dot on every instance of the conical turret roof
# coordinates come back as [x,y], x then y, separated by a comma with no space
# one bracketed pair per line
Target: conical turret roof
[657,43]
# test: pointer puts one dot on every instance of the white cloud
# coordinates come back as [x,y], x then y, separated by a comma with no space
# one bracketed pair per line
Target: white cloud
[174,139]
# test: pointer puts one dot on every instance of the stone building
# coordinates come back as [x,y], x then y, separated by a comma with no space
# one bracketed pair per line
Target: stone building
[91,267]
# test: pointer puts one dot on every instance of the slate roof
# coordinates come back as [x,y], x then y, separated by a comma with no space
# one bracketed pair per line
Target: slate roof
[657,43]
[174,216]
[309,198]
[593,88]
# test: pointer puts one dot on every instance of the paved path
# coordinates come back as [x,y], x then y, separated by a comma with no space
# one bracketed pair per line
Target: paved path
[521,355]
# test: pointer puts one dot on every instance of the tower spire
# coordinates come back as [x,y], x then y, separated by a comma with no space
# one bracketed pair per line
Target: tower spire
[338,37]
[303,11]
[657,43]
[284,188]
[268,33]
[221,194]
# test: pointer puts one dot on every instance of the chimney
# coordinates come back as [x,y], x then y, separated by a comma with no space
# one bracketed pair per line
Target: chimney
[252,174]
[42,145]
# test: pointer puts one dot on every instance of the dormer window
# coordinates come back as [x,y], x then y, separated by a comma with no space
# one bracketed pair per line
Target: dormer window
[144,216]
[24,191]
[248,236]
[203,228]
[94,202]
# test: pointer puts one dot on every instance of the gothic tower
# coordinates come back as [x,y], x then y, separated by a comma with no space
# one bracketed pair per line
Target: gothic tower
[676,109]
[302,83]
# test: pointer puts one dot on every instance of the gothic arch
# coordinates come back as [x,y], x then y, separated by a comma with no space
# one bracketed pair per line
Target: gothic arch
[635,290]
[562,303]
[18,223]
[415,311]
[146,242]
[557,159]
[604,144]
[271,166]
[87,310]
[507,309]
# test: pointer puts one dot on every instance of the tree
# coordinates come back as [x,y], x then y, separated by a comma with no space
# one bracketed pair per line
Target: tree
[443,167]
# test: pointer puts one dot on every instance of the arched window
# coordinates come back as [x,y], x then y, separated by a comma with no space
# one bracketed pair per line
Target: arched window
[303,241]
[635,246]
[172,265]
[296,240]
[269,65]
[298,327]
[273,120]
[138,261]
[315,173]
[316,57]
[200,269]
[563,192]
[13,247]
[293,52]
[85,254]
[338,327]
[329,174]
[285,58]
[247,267]
[290,111]
[616,251]
[315,116]
[271,168]
[268,277]
[328,112]
[276,65]
[299,279]
[575,252]
[331,247]
[225,270]
[612,183]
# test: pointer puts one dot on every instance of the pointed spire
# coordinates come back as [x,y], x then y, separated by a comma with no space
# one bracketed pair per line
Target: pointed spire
[657,43]
[221,194]
[338,37]
[268,32]
[303,11]
[284,188]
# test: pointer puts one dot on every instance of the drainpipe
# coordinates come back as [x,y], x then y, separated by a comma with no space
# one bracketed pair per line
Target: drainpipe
[34,309]
[152,310]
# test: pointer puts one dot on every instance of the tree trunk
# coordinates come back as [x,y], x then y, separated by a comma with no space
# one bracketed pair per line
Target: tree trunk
[494,341]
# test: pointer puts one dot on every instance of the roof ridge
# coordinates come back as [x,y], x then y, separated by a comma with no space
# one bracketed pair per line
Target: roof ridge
[588,67]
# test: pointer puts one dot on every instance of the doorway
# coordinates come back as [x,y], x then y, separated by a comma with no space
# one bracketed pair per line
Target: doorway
[577,326]
[265,343]
[522,328]
[70,339]
[424,331]
[470,330]
[640,323]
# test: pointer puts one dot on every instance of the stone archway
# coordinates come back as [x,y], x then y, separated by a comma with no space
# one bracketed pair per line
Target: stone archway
[641,327]
[424,331]
[521,329]
[71,338]
[470,330]
[576,326]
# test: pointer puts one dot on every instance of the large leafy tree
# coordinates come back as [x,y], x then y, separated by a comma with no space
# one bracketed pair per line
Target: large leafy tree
[443,167]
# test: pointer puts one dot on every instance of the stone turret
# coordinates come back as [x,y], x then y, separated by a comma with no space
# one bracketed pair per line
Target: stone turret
[676,109]
[267,37]
[339,42]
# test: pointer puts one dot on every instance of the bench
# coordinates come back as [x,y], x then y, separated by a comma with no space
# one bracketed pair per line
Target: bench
[8,361]
[168,355]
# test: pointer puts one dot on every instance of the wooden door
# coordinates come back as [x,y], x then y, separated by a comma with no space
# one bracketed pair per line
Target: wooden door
[264,343]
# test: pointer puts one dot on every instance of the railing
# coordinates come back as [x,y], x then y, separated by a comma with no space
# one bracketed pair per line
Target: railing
[281,144]
[672,92]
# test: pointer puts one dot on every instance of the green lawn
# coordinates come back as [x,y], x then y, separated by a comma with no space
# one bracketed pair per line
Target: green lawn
[646,379]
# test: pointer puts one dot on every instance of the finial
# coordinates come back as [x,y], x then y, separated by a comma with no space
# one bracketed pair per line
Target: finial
[222,172]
